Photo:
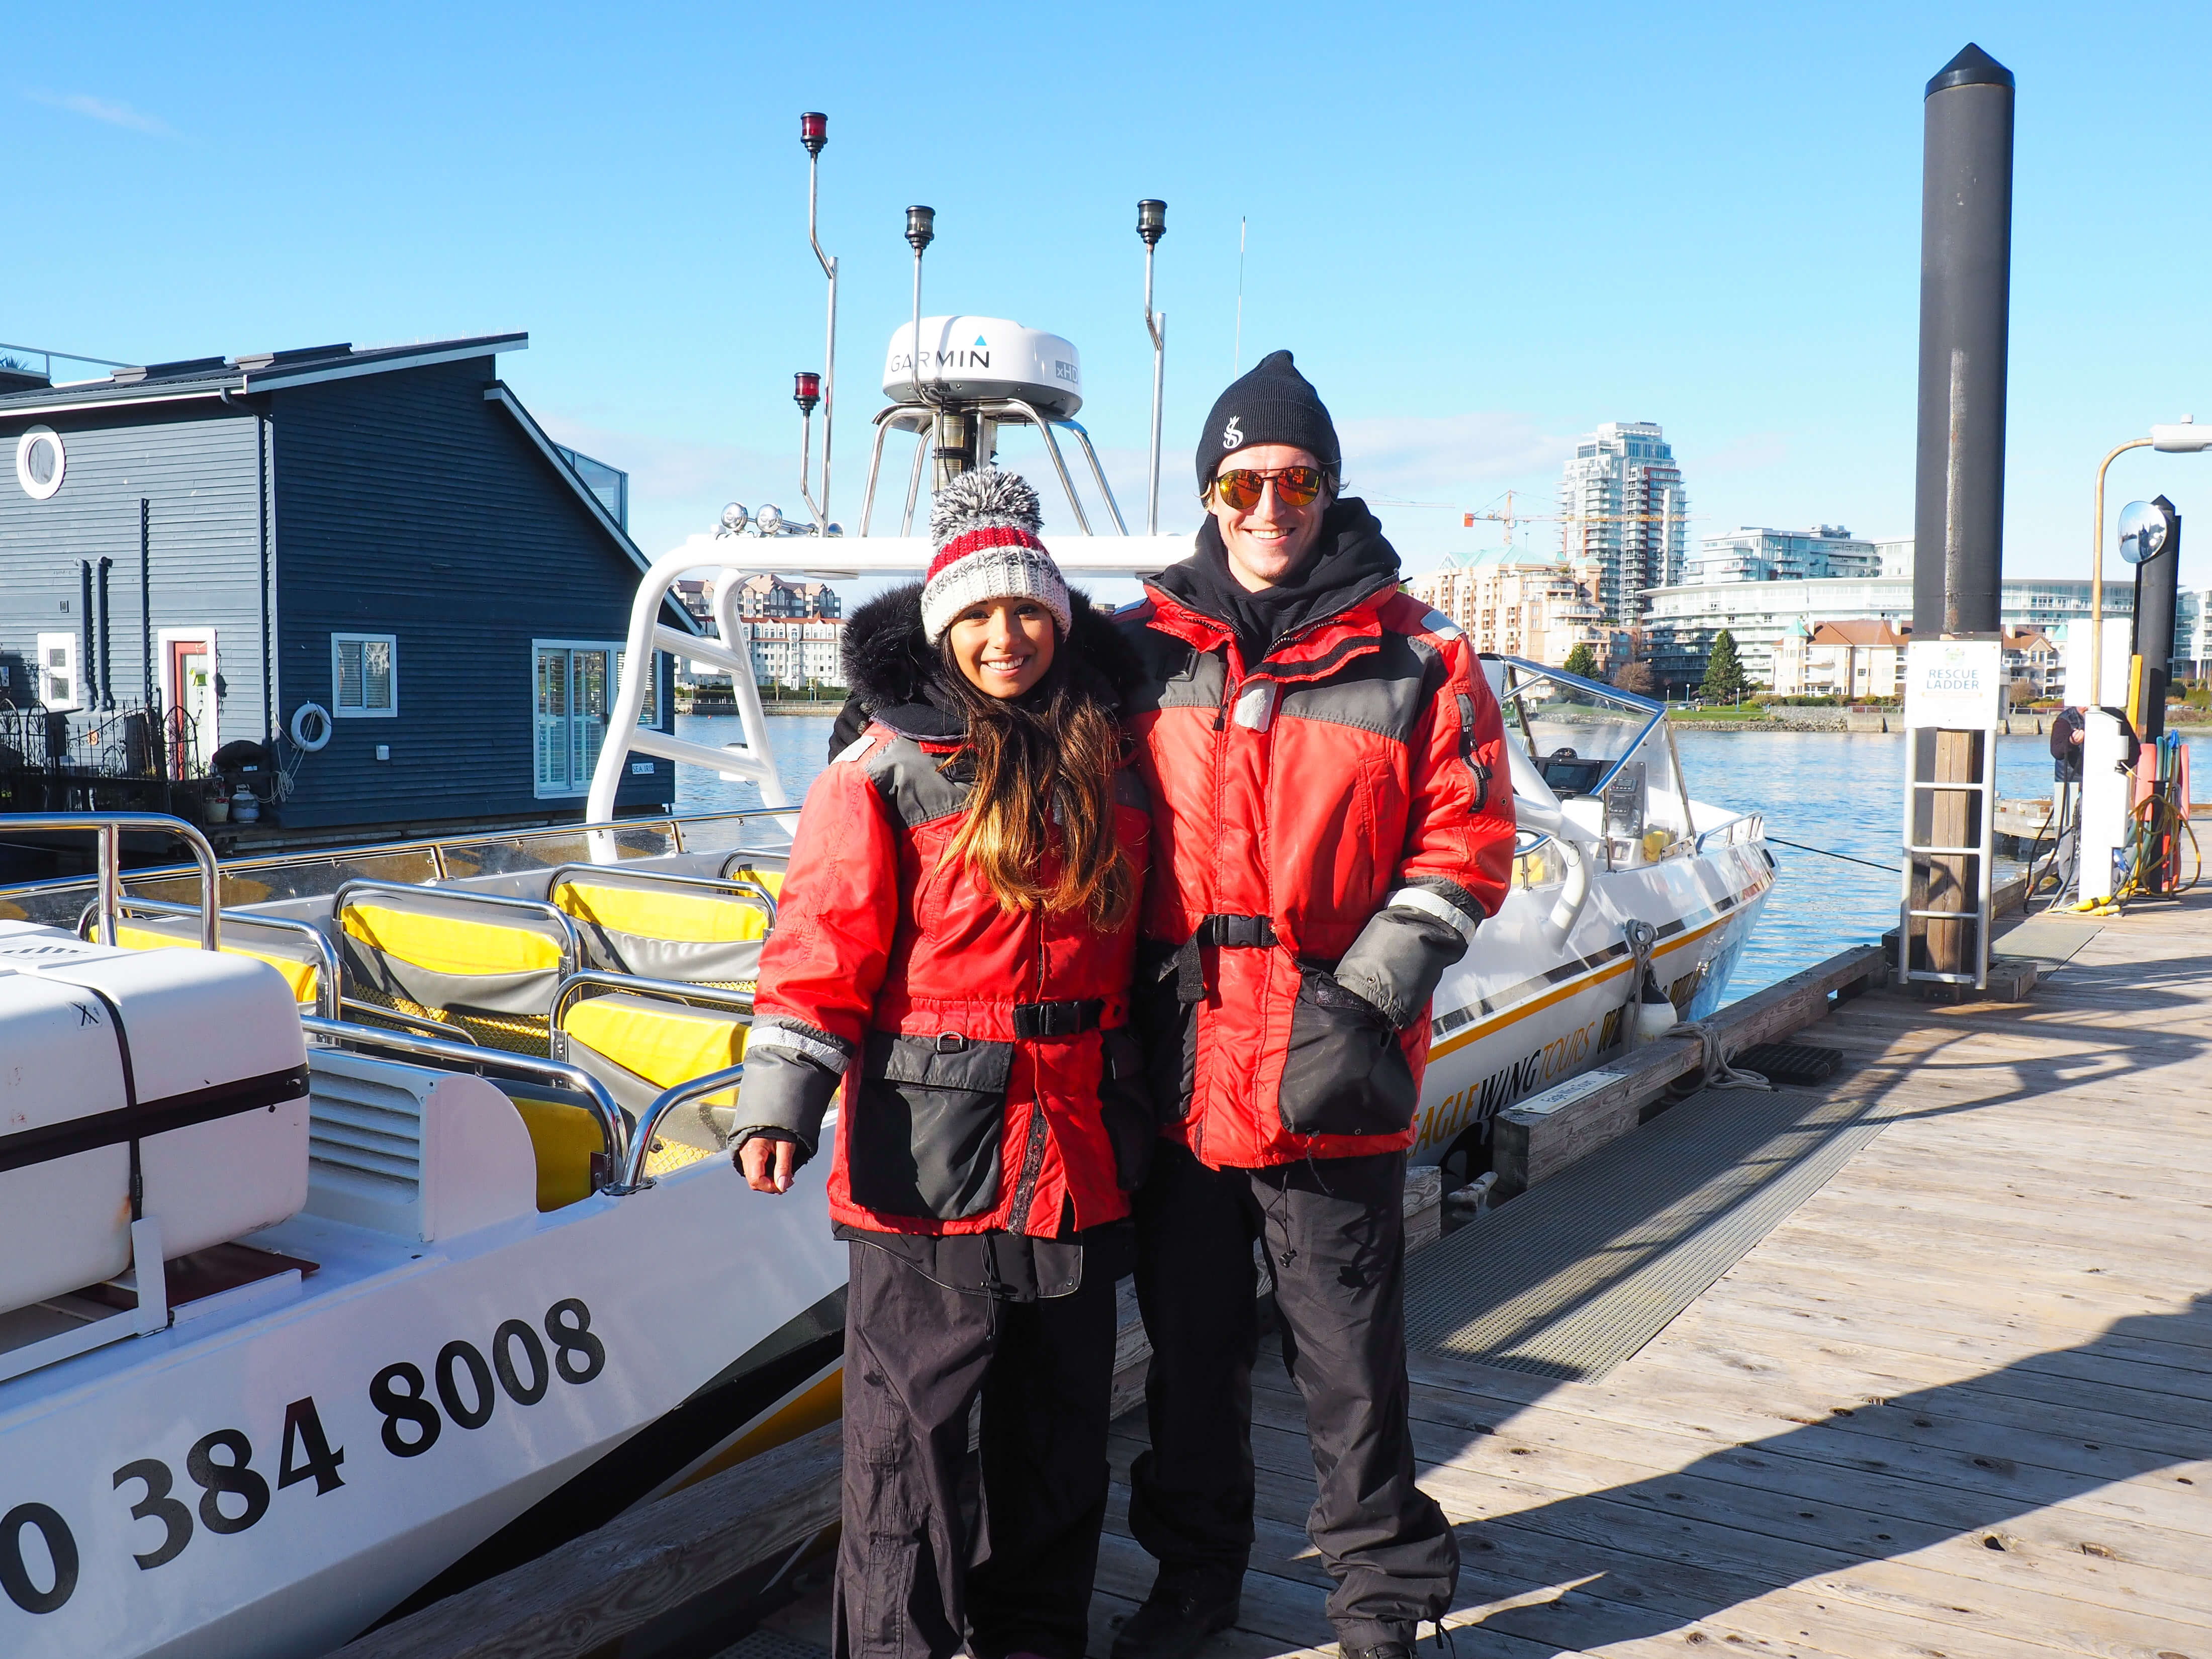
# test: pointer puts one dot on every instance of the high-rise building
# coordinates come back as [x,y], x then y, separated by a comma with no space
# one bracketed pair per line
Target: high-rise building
[1538,608]
[1761,555]
[1625,509]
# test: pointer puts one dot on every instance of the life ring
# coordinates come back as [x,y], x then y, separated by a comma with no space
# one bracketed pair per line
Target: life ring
[311,716]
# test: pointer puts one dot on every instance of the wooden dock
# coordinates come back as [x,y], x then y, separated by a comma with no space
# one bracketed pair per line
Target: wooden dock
[1957,1403]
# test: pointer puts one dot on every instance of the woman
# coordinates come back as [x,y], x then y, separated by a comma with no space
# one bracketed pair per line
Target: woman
[954,945]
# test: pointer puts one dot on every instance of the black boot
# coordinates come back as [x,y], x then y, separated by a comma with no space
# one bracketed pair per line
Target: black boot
[1179,1615]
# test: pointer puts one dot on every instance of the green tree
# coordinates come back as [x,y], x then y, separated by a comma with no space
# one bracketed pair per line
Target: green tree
[1582,660]
[1725,681]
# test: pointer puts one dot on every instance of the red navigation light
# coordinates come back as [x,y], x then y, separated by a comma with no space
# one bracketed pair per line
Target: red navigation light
[813,130]
[806,390]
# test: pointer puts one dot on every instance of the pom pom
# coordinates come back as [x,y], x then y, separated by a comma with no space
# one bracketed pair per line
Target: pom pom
[984,497]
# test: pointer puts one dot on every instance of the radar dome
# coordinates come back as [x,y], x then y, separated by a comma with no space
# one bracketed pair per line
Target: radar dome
[980,358]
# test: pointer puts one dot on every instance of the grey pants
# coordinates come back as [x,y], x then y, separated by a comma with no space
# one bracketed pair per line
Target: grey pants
[915,1579]
[1335,1238]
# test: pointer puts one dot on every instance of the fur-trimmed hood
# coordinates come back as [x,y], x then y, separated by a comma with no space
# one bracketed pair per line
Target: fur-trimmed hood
[894,672]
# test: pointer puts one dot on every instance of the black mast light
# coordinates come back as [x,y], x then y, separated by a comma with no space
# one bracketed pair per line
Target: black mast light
[1151,220]
[813,130]
[920,228]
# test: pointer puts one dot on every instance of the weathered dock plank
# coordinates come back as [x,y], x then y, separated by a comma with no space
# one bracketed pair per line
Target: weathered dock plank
[1958,1401]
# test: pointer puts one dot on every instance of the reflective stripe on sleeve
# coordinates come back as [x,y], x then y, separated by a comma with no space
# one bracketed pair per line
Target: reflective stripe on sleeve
[1430,904]
[807,1047]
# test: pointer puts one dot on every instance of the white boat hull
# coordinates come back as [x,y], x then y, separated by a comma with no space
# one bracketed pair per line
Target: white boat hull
[674,1285]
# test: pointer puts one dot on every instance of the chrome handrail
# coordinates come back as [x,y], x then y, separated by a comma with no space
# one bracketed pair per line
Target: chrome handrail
[418,1022]
[614,1128]
[634,1177]
[572,951]
[108,830]
[434,846]
[741,886]
[329,974]
[572,987]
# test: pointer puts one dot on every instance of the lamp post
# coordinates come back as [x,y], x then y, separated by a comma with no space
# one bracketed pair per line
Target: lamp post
[2182,437]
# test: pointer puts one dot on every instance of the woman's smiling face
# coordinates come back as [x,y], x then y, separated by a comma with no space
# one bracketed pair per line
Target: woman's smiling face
[1003,646]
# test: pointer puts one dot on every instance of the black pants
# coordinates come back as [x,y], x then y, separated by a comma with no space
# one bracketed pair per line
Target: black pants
[917,1357]
[1335,1239]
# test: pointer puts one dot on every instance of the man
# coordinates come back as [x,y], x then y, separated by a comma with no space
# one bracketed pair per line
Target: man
[1332,820]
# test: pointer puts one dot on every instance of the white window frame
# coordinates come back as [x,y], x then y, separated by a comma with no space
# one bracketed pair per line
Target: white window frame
[614,651]
[339,711]
[69,643]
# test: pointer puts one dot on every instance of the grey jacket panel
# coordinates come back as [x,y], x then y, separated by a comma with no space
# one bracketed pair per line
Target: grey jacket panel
[1397,960]
[792,1074]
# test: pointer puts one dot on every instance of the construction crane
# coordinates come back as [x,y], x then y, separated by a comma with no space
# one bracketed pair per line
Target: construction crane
[1509,518]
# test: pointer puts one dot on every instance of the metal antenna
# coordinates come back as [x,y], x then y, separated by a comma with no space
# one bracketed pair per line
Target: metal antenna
[1152,225]
[814,133]
[920,232]
[1237,358]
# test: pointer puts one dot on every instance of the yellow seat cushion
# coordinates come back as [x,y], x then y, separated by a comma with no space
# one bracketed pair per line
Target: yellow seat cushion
[664,1043]
[301,973]
[450,945]
[566,1139]
[690,915]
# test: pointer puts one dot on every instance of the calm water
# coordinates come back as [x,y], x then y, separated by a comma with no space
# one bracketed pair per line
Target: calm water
[1838,791]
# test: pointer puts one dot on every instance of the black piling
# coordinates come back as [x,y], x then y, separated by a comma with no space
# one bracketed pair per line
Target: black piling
[1966,294]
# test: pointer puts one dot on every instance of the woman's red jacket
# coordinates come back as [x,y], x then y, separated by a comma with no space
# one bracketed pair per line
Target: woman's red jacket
[974,1044]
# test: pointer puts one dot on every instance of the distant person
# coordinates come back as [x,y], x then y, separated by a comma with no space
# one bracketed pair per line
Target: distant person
[1333,820]
[954,947]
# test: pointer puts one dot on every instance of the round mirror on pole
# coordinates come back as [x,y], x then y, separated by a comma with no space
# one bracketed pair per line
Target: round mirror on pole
[2143,531]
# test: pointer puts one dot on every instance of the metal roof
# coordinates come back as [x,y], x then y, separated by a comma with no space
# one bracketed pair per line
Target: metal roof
[265,371]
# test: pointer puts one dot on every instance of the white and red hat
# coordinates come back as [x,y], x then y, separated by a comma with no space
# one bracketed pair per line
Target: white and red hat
[983,524]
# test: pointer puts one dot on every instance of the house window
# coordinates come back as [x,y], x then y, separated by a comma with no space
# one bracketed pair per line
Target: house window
[364,675]
[57,681]
[573,684]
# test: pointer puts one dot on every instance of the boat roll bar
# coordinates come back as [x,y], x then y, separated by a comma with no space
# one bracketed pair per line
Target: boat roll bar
[107,828]
[634,1177]
[1536,808]
[614,1128]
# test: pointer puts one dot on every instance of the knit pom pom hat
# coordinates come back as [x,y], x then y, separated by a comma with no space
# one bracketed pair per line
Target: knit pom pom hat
[983,524]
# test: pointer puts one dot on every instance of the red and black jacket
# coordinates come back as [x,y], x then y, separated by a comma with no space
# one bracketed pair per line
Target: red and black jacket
[1330,823]
[989,1082]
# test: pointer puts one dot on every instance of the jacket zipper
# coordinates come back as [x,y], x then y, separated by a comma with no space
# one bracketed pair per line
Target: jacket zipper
[1017,1219]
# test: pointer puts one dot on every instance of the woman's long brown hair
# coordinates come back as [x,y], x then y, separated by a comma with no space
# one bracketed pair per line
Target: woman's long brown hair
[1050,753]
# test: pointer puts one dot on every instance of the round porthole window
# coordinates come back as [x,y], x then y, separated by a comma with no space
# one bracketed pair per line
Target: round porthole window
[40,461]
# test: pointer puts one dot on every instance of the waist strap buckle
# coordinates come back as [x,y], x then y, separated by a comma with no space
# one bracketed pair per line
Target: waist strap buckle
[1070,1018]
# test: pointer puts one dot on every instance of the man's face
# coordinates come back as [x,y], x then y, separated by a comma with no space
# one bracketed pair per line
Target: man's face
[1269,540]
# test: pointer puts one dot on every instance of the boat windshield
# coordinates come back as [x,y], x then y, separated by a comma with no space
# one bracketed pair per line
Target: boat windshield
[1577,732]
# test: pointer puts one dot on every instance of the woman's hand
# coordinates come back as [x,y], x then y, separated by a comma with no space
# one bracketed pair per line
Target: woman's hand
[767,1165]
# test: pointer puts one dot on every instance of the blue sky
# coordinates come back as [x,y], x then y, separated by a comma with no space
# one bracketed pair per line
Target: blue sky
[1482,230]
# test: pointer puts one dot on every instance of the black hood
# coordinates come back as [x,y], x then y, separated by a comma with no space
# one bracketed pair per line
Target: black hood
[896,675]
[1353,561]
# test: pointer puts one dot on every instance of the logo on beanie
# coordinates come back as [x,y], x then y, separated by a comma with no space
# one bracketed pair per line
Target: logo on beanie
[1232,434]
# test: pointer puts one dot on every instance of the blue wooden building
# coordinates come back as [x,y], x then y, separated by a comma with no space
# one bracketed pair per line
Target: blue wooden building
[240,547]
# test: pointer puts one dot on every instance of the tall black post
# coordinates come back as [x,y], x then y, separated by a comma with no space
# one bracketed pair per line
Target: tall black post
[146,592]
[1966,290]
[2158,591]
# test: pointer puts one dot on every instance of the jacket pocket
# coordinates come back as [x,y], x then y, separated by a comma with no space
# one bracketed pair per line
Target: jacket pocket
[1126,1106]
[923,1139]
[1345,1072]
[1167,1029]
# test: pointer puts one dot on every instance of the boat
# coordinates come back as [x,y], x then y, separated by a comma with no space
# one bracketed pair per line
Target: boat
[379,1231]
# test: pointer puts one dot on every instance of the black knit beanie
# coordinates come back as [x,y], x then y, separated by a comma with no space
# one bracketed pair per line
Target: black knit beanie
[1272,404]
